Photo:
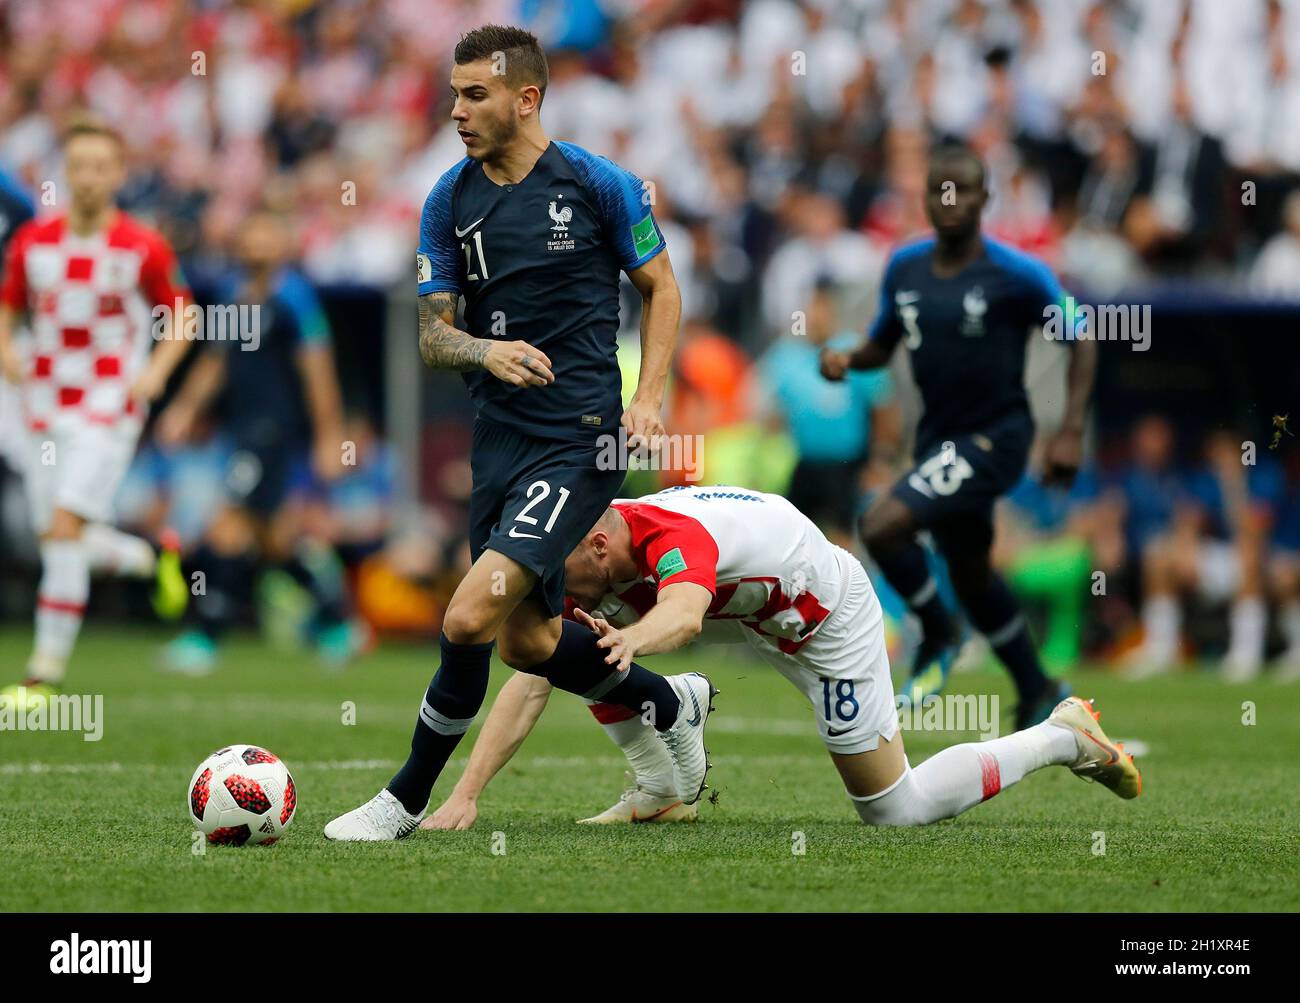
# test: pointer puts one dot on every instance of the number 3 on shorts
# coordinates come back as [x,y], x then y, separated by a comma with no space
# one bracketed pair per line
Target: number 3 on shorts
[538,492]
[844,705]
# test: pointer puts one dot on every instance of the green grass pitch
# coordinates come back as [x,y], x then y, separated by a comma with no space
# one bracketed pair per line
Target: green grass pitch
[101,826]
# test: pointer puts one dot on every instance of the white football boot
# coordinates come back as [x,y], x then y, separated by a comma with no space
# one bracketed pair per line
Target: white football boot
[636,805]
[1100,759]
[381,819]
[685,739]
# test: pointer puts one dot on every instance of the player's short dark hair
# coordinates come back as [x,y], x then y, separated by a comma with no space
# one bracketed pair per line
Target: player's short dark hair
[947,153]
[522,55]
[93,127]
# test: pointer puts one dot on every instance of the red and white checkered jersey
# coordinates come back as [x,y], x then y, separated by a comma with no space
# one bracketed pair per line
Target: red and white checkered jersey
[90,301]
[769,567]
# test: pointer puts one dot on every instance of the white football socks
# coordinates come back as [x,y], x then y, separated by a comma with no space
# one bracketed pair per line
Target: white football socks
[1247,626]
[1161,624]
[641,744]
[114,552]
[961,776]
[60,606]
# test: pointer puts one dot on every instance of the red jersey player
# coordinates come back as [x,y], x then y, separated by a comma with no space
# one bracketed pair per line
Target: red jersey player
[88,281]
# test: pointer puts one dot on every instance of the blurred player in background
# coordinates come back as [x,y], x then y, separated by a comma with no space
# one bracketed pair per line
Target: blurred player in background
[846,433]
[753,566]
[88,280]
[533,235]
[284,417]
[964,305]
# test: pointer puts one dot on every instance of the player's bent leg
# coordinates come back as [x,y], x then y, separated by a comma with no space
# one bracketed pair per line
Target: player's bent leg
[677,707]
[484,600]
[652,797]
[888,531]
[962,776]
[61,596]
[994,611]
[226,562]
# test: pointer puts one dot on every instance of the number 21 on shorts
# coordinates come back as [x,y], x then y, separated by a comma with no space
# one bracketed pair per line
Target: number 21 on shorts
[538,492]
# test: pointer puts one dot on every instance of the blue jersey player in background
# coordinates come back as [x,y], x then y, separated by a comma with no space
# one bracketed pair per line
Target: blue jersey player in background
[965,306]
[533,235]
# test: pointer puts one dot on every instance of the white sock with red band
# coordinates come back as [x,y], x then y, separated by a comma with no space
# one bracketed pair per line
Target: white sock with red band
[640,743]
[117,553]
[60,605]
[960,777]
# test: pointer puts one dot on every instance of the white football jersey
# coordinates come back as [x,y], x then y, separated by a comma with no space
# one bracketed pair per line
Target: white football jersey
[770,569]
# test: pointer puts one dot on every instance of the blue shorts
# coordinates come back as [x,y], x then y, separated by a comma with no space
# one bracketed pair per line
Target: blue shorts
[534,500]
[261,478]
[952,489]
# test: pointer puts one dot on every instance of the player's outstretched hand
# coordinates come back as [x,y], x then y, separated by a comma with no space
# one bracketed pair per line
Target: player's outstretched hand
[834,364]
[519,364]
[619,646]
[455,813]
[1062,458]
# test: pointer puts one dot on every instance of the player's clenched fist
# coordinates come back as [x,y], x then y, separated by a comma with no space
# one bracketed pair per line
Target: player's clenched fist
[834,364]
[518,363]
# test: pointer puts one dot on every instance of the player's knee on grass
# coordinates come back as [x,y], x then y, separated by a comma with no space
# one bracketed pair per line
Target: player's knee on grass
[900,804]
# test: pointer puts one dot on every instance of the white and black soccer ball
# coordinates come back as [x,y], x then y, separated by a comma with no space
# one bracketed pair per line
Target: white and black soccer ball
[242,795]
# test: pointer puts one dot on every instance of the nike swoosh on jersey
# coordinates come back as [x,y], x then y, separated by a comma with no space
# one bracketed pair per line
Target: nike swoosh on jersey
[522,536]
[904,298]
[461,233]
[835,734]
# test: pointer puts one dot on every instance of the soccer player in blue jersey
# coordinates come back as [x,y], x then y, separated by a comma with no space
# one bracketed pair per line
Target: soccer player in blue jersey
[532,235]
[965,306]
[283,416]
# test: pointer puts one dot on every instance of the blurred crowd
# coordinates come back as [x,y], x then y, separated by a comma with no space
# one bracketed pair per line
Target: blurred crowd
[1129,142]
[785,138]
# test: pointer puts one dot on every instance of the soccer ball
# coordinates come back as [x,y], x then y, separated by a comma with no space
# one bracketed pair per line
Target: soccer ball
[240,795]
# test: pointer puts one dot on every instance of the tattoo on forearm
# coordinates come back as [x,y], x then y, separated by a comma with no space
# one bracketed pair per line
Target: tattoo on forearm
[443,346]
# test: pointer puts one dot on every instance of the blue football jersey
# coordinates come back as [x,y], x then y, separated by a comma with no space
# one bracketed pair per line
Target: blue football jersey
[539,261]
[966,335]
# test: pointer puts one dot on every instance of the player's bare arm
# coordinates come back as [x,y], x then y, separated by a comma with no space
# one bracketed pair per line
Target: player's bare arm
[676,619]
[163,360]
[869,355]
[324,401]
[514,713]
[1064,451]
[10,360]
[202,384]
[444,346]
[661,312]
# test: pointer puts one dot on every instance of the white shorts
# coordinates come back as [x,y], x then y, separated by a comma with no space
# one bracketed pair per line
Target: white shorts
[78,467]
[843,669]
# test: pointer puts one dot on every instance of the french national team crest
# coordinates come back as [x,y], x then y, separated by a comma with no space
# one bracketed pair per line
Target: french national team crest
[561,215]
[973,307]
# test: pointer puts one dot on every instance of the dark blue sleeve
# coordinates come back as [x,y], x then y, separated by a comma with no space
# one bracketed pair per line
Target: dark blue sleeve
[886,329]
[437,264]
[624,202]
[304,307]
[1044,296]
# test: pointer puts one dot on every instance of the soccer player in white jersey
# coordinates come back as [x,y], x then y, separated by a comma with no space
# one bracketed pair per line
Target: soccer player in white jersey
[88,281]
[753,564]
